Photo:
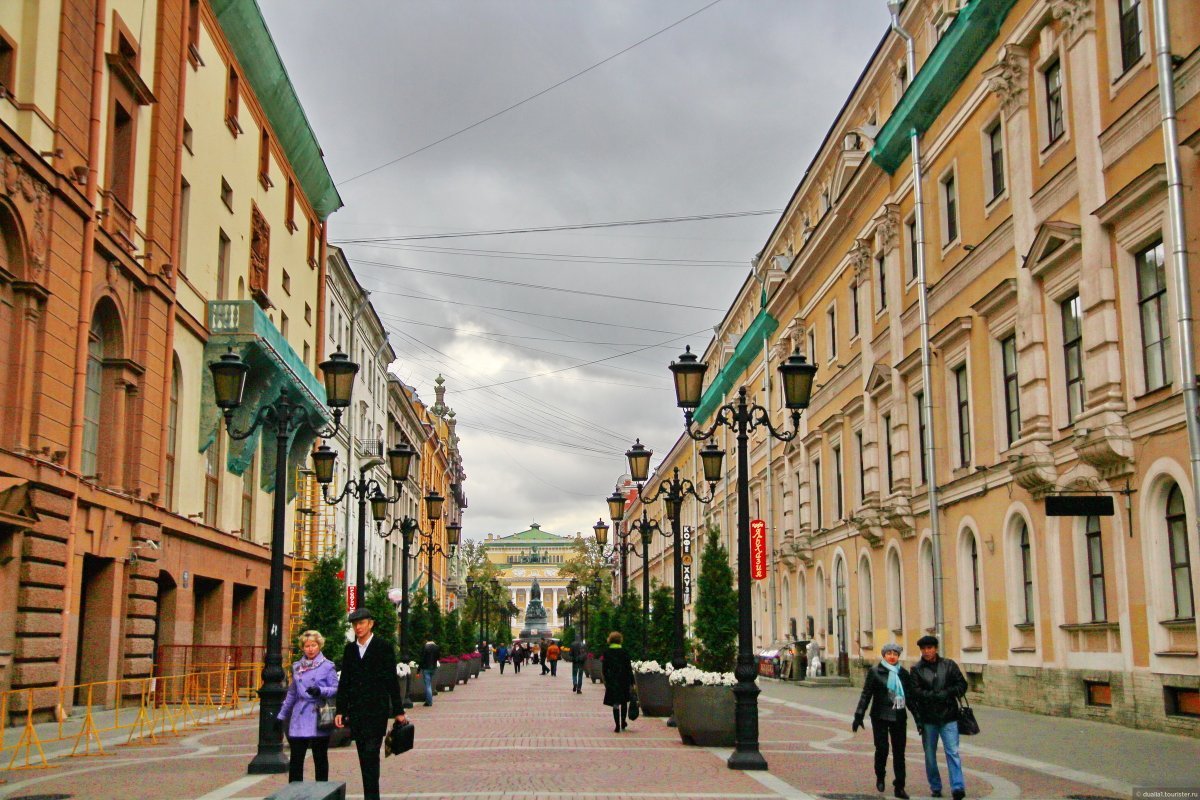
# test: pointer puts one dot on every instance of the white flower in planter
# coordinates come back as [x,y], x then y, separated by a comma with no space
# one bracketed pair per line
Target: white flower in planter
[404,669]
[650,667]
[691,676]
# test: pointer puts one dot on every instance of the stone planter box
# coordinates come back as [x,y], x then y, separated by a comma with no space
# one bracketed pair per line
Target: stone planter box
[464,670]
[705,715]
[476,665]
[404,684]
[654,694]
[416,687]
[446,677]
[594,669]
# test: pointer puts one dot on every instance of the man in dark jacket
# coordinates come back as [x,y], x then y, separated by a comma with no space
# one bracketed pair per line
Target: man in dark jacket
[887,690]
[937,685]
[368,693]
[429,664]
[578,661]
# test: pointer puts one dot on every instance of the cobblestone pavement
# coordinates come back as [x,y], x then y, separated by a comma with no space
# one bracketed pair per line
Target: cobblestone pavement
[528,736]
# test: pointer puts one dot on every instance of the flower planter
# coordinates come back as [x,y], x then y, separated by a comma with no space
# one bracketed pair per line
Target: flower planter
[705,715]
[654,694]
[464,670]
[476,665]
[404,682]
[416,686]
[594,668]
[446,676]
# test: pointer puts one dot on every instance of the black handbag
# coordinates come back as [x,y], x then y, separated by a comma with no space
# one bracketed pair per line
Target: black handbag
[325,715]
[634,710]
[399,740]
[967,724]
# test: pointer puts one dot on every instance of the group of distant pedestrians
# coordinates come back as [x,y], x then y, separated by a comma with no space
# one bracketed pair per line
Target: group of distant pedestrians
[931,690]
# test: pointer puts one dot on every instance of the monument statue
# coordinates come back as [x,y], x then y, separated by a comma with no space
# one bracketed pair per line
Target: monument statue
[536,624]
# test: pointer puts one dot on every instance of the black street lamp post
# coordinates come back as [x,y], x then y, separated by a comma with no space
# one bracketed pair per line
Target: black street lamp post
[646,527]
[408,528]
[673,491]
[286,417]
[742,417]
[433,510]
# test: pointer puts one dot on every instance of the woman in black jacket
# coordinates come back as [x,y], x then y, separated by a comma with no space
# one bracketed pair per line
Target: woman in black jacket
[618,678]
[886,690]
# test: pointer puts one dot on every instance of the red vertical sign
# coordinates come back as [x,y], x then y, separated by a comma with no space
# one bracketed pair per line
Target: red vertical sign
[758,549]
[351,598]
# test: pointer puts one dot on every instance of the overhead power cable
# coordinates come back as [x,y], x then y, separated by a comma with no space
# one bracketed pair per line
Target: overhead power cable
[581,258]
[534,96]
[523,285]
[575,227]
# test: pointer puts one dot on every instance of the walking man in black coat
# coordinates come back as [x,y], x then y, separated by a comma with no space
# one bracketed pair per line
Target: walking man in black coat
[937,686]
[368,693]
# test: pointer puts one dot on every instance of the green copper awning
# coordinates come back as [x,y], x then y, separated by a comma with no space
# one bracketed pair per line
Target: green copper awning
[275,370]
[952,59]
[244,27]
[749,347]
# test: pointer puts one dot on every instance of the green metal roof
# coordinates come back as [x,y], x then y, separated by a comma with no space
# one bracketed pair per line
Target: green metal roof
[952,59]
[748,348]
[243,24]
[533,534]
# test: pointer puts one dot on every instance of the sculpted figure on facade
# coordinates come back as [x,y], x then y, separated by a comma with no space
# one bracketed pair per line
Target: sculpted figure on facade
[1078,17]
[1009,78]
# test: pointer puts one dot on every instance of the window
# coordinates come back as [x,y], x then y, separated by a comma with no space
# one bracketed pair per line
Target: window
[913,251]
[222,264]
[995,143]
[120,153]
[831,319]
[919,397]
[1098,694]
[812,346]
[881,271]
[1181,702]
[895,584]
[194,28]
[854,309]
[1131,32]
[1026,574]
[1072,327]
[289,205]
[307,355]
[312,243]
[188,136]
[1095,561]
[264,160]
[838,499]
[227,194]
[1177,550]
[1152,311]
[307,312]
[860,454]
[185,206]
[93,403]
[1012,389]
[231,102]
[818,517]
[287,283]
[963,402]
[283,324]
[950,208]
[902,78]
[974,555]
[172,436]
[887,441]
[1054,105]
[247,517]
[212,480]
[8,62]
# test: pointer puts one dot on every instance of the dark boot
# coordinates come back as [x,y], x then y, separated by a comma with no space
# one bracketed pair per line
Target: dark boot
[900,793]
[879,784]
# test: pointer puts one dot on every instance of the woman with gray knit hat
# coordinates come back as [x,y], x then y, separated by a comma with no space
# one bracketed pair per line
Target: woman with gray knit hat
[886,690]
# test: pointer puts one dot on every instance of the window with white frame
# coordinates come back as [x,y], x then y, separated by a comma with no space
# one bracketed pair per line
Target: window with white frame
[949,196]
[1179,557]
[973,563]
[1072,333]
[881,300]
[1152,312]
[887,452]
[1012,388]
[866,603]
[1130,27]
[895,590]
[962,391]
[919,401]
[838,493]
[812,346]
[860,455]
[1094,548]
[854,309]
[1052,78]
[1026,572]
[910,230]
[831,323]
[994,144]
[818,516]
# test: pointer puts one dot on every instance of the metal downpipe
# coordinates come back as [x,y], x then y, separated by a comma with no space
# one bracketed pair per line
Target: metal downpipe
[1187,343]
[926,410]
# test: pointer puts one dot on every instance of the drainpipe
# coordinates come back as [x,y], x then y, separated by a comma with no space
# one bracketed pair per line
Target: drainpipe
[1187,342]
[83,323]
[926,410]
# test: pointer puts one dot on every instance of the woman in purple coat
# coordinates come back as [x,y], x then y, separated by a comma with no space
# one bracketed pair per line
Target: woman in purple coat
[314,680]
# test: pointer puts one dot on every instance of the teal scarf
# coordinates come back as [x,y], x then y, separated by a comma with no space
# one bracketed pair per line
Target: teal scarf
[893,682]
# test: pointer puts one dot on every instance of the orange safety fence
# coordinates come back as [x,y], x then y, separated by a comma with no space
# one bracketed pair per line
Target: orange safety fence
[148,708]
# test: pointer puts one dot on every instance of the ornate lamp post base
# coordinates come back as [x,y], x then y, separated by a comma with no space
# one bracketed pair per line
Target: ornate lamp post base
[270,759]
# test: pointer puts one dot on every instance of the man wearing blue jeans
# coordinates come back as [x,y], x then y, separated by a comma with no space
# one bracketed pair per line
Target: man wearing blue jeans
[937,685]
[429,665]
[578,659]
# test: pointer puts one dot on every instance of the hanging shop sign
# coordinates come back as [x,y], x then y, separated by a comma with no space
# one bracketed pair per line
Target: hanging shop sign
[686,536]
[758,549]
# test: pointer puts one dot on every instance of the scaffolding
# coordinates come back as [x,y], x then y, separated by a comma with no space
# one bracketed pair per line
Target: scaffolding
[316,537]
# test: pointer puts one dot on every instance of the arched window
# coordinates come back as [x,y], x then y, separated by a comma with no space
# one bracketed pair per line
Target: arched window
[895,590]
[839,573]
[172,437]
[973,556]
[1180,558]
[928,587]
[104,342]
[1026,573]
[787,599]
[865,605]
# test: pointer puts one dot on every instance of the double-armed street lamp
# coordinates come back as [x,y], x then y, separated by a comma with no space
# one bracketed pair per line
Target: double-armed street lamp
[433,510]
[742,417]
[409,528]
[286,417]
[646,527]
[586,592]
[672,491]
[482,592]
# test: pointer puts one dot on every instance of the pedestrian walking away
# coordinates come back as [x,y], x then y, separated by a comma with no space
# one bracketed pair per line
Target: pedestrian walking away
[578,662]
[886,690]
[518,655]
[314,681]
[539,657]
[369,694]
[618,680]
[501,657]
[937,685]
[553,652]
[429,664]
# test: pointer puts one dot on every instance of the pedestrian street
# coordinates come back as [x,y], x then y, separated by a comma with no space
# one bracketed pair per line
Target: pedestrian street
[528,736]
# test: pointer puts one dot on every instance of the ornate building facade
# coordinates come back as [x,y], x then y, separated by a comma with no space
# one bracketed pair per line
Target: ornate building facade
[532,554]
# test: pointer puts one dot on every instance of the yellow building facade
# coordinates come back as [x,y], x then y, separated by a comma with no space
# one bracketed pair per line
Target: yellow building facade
[1053,367]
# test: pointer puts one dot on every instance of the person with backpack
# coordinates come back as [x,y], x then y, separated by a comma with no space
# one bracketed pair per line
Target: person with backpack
[502,657]
[937,685]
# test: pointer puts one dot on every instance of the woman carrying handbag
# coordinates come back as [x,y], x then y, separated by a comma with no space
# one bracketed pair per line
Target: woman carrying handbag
[314,684]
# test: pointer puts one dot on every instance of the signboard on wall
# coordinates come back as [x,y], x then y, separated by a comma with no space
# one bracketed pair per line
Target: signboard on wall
[351,598]
[758,549]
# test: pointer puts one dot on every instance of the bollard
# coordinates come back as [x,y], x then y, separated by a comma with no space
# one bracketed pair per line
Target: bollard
[315,790]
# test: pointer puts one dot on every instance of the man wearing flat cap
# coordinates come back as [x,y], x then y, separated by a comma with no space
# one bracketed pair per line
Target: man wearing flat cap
[937,685]
[368,694]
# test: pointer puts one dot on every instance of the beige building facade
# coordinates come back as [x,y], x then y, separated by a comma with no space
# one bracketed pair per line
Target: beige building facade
[1054,368]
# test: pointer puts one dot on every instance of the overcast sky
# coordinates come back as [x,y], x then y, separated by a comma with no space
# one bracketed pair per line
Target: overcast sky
[720,113]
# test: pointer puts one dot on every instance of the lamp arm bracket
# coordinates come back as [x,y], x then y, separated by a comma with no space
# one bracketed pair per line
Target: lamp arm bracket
[760,417]
[726,415]
[348,489]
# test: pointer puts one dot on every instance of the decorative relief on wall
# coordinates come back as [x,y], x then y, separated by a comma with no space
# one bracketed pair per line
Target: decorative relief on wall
[32,200]
[1009,78]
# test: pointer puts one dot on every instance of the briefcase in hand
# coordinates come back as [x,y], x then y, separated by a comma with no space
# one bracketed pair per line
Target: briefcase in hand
[399,740]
